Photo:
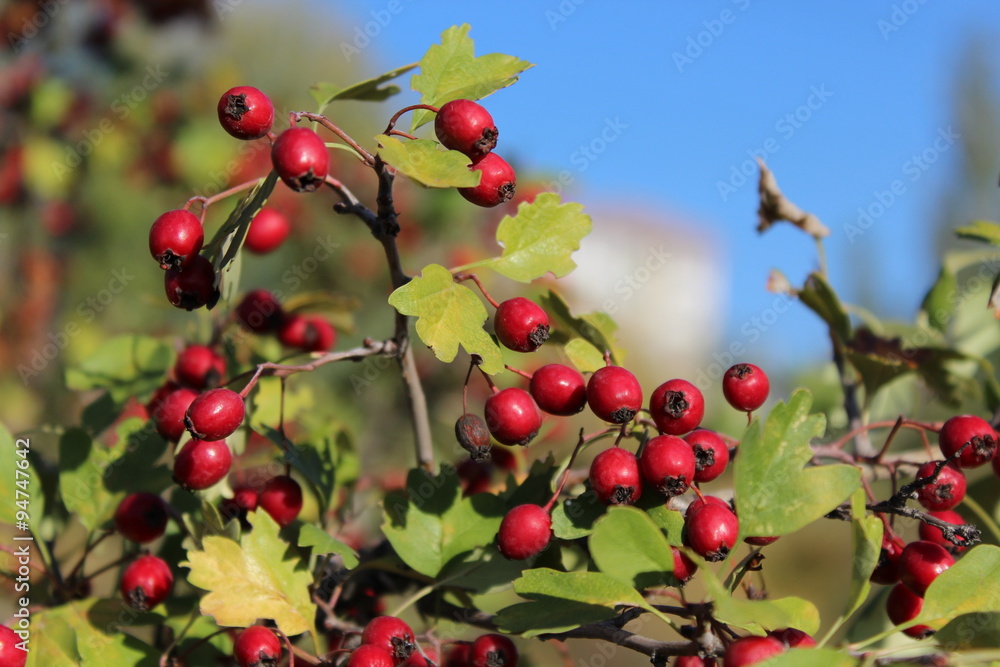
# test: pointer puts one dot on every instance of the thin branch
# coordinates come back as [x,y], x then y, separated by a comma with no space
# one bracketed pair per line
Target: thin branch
[328,124]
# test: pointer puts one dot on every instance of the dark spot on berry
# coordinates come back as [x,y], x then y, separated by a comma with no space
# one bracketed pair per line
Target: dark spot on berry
[673,486]
[539,335]
[480,454]
[527,440]
[622,495]
[189,425]
[402,648]
[236,106]
[704,457]
[137,598]
[168,259]
[488,141]
[983,445]
[496,659]
[505,191]
[622,415]
[676,404]
[741,371]
[943,492]
[716,556]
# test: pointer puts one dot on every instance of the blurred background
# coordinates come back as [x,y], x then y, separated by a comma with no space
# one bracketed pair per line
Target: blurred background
[879,117]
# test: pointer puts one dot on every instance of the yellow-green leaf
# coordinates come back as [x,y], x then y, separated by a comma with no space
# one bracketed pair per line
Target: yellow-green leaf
[423,161]
[971,585]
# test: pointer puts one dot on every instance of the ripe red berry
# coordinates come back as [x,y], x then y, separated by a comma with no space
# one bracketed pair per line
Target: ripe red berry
[457,655]
[268,230]
[921,562]
[493,651]
[146,582]
[391,635]
[615,478]
[496,185]
[257,646]
[141,517]
[933,534]
[677,407]
[175,238]
[668,463]
[168,412]
[684,567]
[463,125]
[525,531]
[473,436]
[793,638]
[309,333]
[192,285]
[711,531]
[281,498]
[961,430]
[947,491]
[244,500]
[521,324]
[259,312]
[215,415]
[558,389]
[300,158]
[760,541]
[745,386]
[752,650]
[10,654]
[711,455]
[701,501]
[199,367]
[245,112]
[369,655]
[202,463]
[614,394]
[512,416]
[886,572]
[904,605]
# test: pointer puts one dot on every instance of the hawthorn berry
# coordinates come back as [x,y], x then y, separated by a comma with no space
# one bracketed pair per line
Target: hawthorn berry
[793,638]
[886,572]
[745,387]
[146,582]
[175,238]
[141,517]
[701,501]
[496,185]
[463,125]
[215,414]
[281,498]
[752,650]
[245,112]
[168,412]
[521,324]
[309,333]
[244,500]
[10,654]
[711,455]
[300,158]
[972,433]
[392,635]
[947,491]
[614,394]
[369,655]
[668,463]
[525,531]
[677,406]
[493,650]
[711,531]
[933,533]
[512,416]
[921,562]
[257,646]
[202,463]
[558,390]
[457,655]
[615,478]
[199,367]
[684,567]
[473,436]
[259,312]
[191,286]
[268,230]
[904,605]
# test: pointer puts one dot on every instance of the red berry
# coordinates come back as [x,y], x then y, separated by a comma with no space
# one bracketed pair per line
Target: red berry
[711,531]
[268,230]
[493,651]
[677,407]
[146,582]
[202,463]
[369,655]
[933,534]
[259,312]
[309,333]
[558,389]
[668,463]
[257,646]
[903,605]
[281,498]
[512,416]
[473,436]
[711,455]
[192,285]
[921,562]
[10,654]
[521,324]
[701,501]
[496,185]
[752,650]
[391,635]
[947,491]
[886,572]
[215,415]
[758,541]
[684,567]
[745,386]
[463,125]
[457,655]
[244,500]
[199,367]
[175,239]
[793,638]
[168,412]
[615,478]
[300,158]
[141,517]
[974,434]
[614,394]
[245,112]
[524,532]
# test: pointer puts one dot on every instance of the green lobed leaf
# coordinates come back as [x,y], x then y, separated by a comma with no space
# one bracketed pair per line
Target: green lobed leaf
[126,366]
[592,588]
[253,579]
[671,522]
[776,491]
[598,329]
[969,631]
[939,302]
[758,616]
[423,161]
[451,71]
[819,296]
[583,355]
[981,230]
[627,545]
[88,633]
[449,314]
[549,615]
[322,542]
[971,585]
[370,90]
[574,518]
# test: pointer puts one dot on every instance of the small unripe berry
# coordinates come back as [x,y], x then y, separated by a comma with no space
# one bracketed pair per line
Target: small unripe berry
[391,635]
[257,646]
[245,112]
[614,394]
[524,532]
[300,158]
[465,126]
[677,406]
[745,386]
[268,230]
[141,517]
[512,416]
[668,463]
[493,651]
[473,436]
[175,238]
[281,498]
[146,582]
[711,455]
[711,532]
[558,390]
[920,563]
[521,324]
[215,414]
[496,185]
[192,285]
[615,478]
[202,463]
[947,490]
[904,605]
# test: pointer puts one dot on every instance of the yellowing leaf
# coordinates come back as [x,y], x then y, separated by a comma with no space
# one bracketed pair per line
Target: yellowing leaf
[423,161]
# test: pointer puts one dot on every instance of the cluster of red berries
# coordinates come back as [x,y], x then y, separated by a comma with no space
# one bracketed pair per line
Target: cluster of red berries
[260,312]
[748,651]
[467,127]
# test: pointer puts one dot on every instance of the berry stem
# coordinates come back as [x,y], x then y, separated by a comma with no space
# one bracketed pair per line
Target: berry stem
[412,107]
[400,133]
[565,475]
[524,374]
[489,381]
[906,423]
[296,116]
[86,552]
[461,277]
[208,201]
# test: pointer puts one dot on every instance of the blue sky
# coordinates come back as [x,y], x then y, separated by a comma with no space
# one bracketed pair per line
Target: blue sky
[849,100]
